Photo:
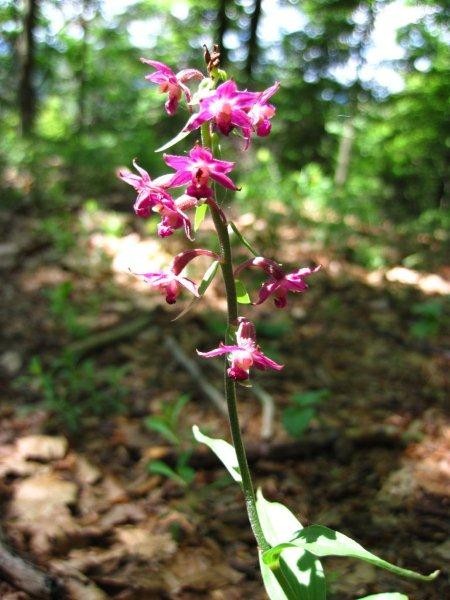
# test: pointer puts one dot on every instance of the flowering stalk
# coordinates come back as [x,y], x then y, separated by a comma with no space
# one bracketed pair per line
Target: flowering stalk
[229,384]
[289,554]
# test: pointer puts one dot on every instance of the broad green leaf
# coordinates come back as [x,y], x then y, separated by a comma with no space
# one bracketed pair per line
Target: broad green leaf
[321,541]
[278,523]
[386,596]
[158,467]
[162,428]
[242,239]
[299,576]
[242,294]
[311,398]
[296,420]
[223,450]
[200,214]
[180,136]
[208,277]
[295,572]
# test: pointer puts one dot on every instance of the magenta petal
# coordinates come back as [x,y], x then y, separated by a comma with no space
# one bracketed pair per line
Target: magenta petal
[196,120]
[189,285]
[171,105]
[241,119]
[261,361]
[179,163]
[223,180]
[223,349]
[267,289]
[180,178]
[159,66]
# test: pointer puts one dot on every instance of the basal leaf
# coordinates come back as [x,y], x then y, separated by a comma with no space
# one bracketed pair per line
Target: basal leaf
[321,541]
[278,523]
[293,574]
[299,575]
[223,450]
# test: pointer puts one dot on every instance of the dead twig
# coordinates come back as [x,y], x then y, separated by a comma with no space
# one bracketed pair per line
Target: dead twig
[194,371]
[268,407]
[25,576]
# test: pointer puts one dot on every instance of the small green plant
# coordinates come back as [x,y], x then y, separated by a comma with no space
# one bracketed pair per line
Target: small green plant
[429,318]
[297,417]
[57,230]
[62,308]
[166,425]
[73,390]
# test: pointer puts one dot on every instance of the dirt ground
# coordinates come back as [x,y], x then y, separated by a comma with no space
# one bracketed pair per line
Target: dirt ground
[83,504]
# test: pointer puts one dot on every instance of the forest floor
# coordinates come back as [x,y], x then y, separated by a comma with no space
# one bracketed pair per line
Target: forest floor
[82,494]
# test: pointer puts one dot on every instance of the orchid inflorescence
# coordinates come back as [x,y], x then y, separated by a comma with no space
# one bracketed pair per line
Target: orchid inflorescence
[224,109]
[289,554]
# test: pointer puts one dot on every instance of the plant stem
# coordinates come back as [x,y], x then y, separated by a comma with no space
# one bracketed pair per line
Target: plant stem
[230,386]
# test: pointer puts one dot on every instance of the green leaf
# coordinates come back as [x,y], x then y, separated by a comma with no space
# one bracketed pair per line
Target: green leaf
[158,467]
[208,277]
[180,136]
[321,541]
[200,214]
[242,294]
[223,450]
[294,573]
[242,239]
[310,398]
[278,523]
[386,596]
[296,420]
[300,575]
[162,428]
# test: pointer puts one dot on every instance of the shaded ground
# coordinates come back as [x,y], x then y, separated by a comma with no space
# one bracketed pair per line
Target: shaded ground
[81,502]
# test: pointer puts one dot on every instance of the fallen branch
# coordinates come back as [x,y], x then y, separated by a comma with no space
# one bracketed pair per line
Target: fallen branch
[25,576]
[211,392]
[342,446]
[110,336]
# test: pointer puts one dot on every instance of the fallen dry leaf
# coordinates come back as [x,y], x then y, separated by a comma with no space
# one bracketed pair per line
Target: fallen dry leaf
[40,509]
[42,447]
[141,542]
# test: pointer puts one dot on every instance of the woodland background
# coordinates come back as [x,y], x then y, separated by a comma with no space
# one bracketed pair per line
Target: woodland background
[101,483]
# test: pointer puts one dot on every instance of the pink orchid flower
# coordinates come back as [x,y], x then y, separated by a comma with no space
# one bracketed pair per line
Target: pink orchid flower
[198,168]
[261,111]
[151,193]
[279,283]
[244,354]
[227,107]
[153,197]
[172,218]
[173,84]
[170,282]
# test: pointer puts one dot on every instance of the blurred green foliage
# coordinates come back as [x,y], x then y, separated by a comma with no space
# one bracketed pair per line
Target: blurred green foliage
[95,111]
[73,391]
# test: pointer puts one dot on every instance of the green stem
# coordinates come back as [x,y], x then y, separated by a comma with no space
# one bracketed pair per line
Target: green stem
[230,386]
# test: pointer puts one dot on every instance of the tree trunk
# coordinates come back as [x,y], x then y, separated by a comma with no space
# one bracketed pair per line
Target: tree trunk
[27,58]
[222,26]
[253,47]
[344,153]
